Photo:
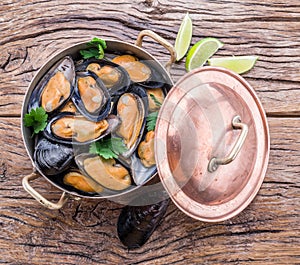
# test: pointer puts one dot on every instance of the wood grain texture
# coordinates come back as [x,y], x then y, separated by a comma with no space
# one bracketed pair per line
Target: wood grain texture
[31,32]
[84,232]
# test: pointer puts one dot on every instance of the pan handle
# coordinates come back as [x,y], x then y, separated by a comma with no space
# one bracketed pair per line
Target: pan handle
[161,41]
[50,205]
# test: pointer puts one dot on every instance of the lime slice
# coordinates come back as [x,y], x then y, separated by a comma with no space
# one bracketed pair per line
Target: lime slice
[200,52]
[184,36]
[238,64]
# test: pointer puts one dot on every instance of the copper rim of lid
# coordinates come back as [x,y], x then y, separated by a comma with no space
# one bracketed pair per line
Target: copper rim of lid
[212,144]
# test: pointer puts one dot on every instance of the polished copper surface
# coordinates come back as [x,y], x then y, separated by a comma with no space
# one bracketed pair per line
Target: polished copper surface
[195,125]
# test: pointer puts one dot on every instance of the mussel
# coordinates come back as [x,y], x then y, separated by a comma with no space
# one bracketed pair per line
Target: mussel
[137,223]
[91,97]
[146,150]
[52,158]
[55,88]
[68,128]
[106,172]
[69,107]
[142,72]
[79,181]
[159,96]
[131,111]
[114,77]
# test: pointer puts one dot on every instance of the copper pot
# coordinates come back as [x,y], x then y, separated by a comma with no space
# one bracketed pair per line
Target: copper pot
[211,145]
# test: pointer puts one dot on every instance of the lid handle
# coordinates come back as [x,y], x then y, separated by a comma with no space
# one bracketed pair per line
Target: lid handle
[236,124]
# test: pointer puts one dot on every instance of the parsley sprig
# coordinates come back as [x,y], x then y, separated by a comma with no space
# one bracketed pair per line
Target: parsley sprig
[108,148]
[151,121]
[37,119]
[96,49]
[152,117]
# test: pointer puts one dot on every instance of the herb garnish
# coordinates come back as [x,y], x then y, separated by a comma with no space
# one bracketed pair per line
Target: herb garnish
[37,118]
[108,148]
[151,121]
[152,117]
[96,49]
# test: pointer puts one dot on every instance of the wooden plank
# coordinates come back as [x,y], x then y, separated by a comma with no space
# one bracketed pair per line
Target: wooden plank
[84,232]
[32,32]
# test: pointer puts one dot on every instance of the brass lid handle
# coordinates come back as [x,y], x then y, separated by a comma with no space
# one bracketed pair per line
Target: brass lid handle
[215,162]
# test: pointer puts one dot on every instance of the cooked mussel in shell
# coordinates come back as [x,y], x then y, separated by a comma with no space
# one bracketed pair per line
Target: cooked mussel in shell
[52,158]
[114,77]
[55,88]
[131,111]
[68,128]
[140,71]
[159,96]
[106,172]
[79,181]
[137,71]
[146,150]
[69,107]
[91,97]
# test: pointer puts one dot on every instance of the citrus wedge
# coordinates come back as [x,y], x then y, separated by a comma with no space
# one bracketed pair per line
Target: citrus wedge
[184,36]
[201,52]
[238,64]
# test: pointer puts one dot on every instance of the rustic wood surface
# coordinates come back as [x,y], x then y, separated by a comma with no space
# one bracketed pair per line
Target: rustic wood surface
[84,232]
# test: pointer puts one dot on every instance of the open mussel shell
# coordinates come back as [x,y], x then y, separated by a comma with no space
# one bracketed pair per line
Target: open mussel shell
[109,173]
[141,173]
[91,97]
[140,71]
[132,109]
[52,158]
[114,76]
[68,128]
[78,181]
[55,88]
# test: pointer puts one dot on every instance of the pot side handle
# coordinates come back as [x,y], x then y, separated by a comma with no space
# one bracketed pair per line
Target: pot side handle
[161,41]
[50,205]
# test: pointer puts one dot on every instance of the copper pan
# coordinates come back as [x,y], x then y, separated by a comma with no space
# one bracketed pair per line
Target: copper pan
[114,46]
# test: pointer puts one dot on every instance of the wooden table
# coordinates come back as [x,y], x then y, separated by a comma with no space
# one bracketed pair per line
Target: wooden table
[84,232]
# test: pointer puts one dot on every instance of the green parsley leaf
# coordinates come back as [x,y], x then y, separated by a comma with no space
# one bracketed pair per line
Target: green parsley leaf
[108,148]
[37,119]
[89,53]
[98,41]
[156,101]
[151,121]
[96,49]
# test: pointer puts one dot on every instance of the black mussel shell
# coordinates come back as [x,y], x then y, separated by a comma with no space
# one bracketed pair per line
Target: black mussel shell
[104,107]
[66,66]
[120,86]
[113,123]
[52,158]
[137,223]
[142,100]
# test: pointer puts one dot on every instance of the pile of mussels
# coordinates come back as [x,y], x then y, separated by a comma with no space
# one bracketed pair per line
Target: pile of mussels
[93,99]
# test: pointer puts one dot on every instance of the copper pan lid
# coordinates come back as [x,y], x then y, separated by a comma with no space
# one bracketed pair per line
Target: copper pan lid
[212,144]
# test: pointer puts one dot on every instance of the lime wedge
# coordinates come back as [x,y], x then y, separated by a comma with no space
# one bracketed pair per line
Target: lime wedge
[238,64]
[184,36]
[200,52]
